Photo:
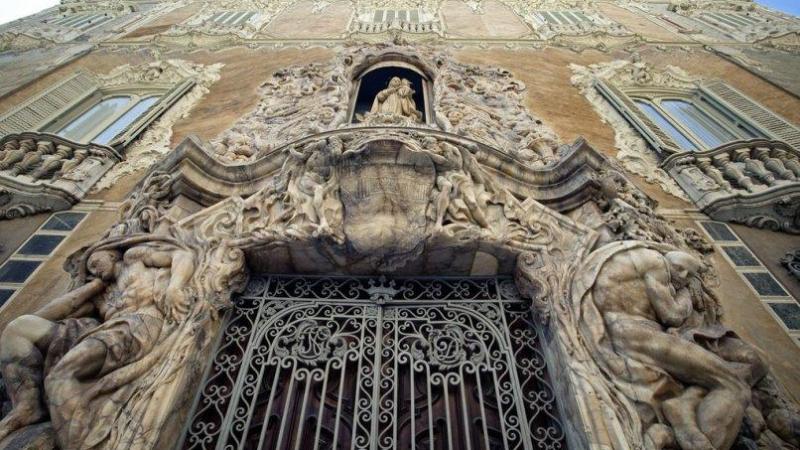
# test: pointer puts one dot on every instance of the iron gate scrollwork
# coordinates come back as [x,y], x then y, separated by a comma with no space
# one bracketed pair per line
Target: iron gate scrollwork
[356,363]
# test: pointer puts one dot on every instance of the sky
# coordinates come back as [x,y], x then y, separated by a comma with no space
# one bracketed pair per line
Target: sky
[790,6]
[14,9]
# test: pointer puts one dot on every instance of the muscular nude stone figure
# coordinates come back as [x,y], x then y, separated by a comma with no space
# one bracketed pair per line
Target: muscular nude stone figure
[643,299]
[134,294]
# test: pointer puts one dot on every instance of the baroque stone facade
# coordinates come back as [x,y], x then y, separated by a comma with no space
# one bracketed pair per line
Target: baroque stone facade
[386,224]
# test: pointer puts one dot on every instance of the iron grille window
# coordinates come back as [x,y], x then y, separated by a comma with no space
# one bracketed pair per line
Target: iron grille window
[564,17]
[346,363]
[231,19]
[733,21]
[82,21]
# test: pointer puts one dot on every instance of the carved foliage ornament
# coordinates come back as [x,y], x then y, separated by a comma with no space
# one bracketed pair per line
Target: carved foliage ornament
[468,100]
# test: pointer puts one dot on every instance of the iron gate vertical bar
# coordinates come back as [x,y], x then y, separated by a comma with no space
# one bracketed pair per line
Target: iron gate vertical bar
[512,368]
[376,374]
[237,387]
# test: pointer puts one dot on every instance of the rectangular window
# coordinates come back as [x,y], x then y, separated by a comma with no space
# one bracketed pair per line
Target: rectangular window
[81,21]
[563,17]
[775,298]
[21,265]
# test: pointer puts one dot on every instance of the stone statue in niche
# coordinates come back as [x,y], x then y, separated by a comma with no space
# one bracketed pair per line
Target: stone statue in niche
[397,100]
[653,329]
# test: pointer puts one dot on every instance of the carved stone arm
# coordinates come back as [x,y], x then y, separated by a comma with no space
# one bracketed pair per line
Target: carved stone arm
[671,310]
[72,302]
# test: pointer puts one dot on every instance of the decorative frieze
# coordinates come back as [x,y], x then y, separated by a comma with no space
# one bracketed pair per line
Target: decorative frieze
[752,182]
[382,20]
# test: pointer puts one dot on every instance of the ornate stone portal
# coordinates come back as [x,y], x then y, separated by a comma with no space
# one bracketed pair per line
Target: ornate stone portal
[630,325]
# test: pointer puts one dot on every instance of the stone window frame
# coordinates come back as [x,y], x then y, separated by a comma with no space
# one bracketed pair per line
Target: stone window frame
[8,290]
[726,119]
[721,101]
[363,21]
[68,99]
[65,20]
[388,61]
[767,301]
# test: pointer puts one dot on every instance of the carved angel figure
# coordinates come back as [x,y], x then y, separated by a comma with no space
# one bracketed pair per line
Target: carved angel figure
[397,100]
[651,327]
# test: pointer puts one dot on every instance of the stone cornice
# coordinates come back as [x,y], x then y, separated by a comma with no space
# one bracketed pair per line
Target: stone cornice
[562,186]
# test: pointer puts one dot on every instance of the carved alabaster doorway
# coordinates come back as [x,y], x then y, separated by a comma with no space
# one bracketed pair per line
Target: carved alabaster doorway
[356,362]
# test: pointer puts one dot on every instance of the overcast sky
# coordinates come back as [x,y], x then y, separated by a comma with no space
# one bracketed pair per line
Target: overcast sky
[14,9]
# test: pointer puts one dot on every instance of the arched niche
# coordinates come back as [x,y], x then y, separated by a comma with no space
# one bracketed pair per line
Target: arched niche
[376,76]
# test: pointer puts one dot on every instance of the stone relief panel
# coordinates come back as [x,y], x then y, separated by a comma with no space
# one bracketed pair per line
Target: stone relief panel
[633,153]
[374,205]
[660,403]
[484,103]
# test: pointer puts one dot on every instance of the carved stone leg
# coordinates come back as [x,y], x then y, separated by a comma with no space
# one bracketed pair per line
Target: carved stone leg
[21,363]
[659,437]
[65,394]
[681,412]
[719,414]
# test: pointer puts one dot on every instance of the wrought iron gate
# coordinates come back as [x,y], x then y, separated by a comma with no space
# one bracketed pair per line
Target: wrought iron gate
[364,363]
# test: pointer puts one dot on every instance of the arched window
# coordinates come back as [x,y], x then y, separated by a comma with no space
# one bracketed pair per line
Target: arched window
[125,120]
[662,122]
[695,117]
[695,124]
[384,86]
[710,132]
[104,120]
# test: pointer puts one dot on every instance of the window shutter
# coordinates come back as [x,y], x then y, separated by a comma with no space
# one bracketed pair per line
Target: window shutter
[662,142]
[38,111]
[768,122]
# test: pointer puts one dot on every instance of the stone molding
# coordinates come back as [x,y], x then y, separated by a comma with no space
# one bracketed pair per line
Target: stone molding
[753,182]
[564,186]
[43,172]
